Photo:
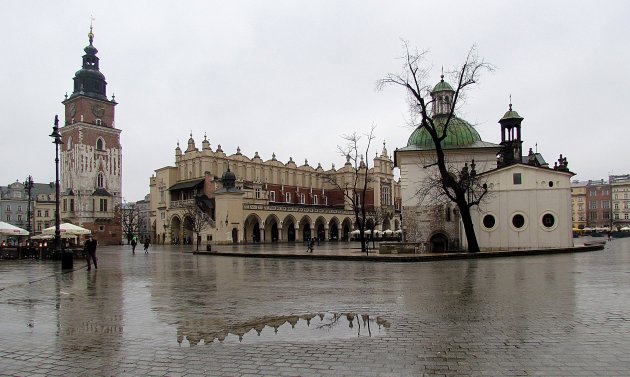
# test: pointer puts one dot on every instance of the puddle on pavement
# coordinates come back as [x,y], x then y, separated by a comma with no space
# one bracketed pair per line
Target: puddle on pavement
[305,327]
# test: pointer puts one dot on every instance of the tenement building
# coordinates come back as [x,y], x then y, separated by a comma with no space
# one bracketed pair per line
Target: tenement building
[620,186]
[249,199]
[528,204]
[91,154]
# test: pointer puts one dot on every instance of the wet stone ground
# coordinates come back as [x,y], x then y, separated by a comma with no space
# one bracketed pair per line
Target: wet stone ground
[171,313]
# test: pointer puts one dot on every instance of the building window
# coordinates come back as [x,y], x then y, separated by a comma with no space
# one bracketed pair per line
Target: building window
[616,196]
[315,199]
[605,204]
[593,193]
[19,217]
[616,216]
[625,216]
[593,204]
[46,213]
[98,122]
[162,215]
[489,222]
[72,205]
[65,205]
[518,221]
[257,193]
[272,196]
[19,209]
[616,205]
[99,180]
[39,227]
[386,197]
[516,178]
[580,207]
[302,198]
[548,220]
[8,208]
[287,197]
[103,205]
[606,216]
[8,217]
[99,144]
[580,199]
[39,213]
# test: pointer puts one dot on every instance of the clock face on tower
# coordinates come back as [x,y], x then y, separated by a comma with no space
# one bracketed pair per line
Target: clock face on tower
[98,110]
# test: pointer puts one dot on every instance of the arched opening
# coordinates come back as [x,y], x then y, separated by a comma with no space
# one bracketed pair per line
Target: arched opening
[187,234]
[321,232]
[256,233]
[306,233]
[291,233]
[274,232]
[175,230]
[438,243]
[334,232]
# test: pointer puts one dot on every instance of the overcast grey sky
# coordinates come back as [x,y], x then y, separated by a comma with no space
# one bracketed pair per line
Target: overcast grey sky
[291,77]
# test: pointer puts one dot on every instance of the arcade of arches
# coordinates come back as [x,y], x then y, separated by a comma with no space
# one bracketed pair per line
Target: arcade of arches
[269,228]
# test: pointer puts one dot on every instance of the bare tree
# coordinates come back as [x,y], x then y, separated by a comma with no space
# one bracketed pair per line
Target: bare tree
[130,219]
[355,186]
[376,217]
[198,220]
[459,187]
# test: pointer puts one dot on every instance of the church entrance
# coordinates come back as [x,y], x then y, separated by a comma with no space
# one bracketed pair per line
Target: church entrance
[438,243]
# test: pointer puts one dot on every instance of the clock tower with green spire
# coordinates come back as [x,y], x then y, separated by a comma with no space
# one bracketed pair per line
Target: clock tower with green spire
[91,158]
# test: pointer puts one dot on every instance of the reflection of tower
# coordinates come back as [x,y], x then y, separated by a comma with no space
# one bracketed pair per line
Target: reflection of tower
[91,161]
[512,146]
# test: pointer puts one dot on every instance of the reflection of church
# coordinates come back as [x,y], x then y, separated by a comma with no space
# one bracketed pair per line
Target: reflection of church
[528,204]
[253,200]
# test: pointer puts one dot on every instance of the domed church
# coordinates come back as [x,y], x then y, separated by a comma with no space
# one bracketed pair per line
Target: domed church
[528,204]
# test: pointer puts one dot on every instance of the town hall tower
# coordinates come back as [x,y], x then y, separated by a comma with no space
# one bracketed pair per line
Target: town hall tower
[91,157]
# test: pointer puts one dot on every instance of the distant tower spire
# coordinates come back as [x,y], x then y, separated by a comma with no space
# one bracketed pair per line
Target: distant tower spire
[91,34]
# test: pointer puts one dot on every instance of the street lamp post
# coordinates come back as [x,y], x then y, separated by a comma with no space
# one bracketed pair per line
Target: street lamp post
[28,184]
[66,258]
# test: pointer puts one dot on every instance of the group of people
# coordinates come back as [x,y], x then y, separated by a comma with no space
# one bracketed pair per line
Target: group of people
[134,242]
[310,243]
[90,250]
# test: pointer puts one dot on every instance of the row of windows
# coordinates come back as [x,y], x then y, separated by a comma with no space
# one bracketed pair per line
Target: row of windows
[288,197]
[518,222]
[100,143]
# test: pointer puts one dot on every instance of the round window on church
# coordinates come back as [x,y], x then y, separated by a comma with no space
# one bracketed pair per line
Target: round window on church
[518,221]
[548,221]
[489,222]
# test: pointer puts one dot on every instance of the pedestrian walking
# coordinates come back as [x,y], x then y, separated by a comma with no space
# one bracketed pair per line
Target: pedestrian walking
[90,252]
[146,245]
[133,245]
[309,245]
[609,235]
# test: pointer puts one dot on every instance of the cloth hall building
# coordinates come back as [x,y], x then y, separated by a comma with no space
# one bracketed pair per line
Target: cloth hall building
[254,200]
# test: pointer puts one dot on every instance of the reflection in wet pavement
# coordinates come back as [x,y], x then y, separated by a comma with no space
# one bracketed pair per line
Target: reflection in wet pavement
[306,327]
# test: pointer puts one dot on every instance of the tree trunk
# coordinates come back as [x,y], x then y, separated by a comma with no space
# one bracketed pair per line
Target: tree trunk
[471,237]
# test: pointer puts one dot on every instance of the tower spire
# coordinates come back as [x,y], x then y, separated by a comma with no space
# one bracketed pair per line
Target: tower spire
[91,34]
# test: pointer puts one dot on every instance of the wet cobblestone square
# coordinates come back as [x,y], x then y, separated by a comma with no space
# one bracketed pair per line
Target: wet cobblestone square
[171,313]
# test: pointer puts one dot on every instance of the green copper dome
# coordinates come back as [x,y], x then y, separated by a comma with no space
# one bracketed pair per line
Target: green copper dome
[442,86]
[511,114]
[460,134]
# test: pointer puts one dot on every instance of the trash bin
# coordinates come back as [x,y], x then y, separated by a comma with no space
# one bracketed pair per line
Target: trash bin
[67,260]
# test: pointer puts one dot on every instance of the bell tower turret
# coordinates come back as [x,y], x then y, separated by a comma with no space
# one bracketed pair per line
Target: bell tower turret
[511,143]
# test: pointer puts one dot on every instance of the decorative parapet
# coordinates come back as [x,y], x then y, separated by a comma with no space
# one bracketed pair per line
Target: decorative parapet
[299,209]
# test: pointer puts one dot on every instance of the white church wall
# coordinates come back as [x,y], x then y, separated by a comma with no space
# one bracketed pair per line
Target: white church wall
[541,192]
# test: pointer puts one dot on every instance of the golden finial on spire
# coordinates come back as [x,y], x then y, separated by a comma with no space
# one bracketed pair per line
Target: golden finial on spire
[91,34]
